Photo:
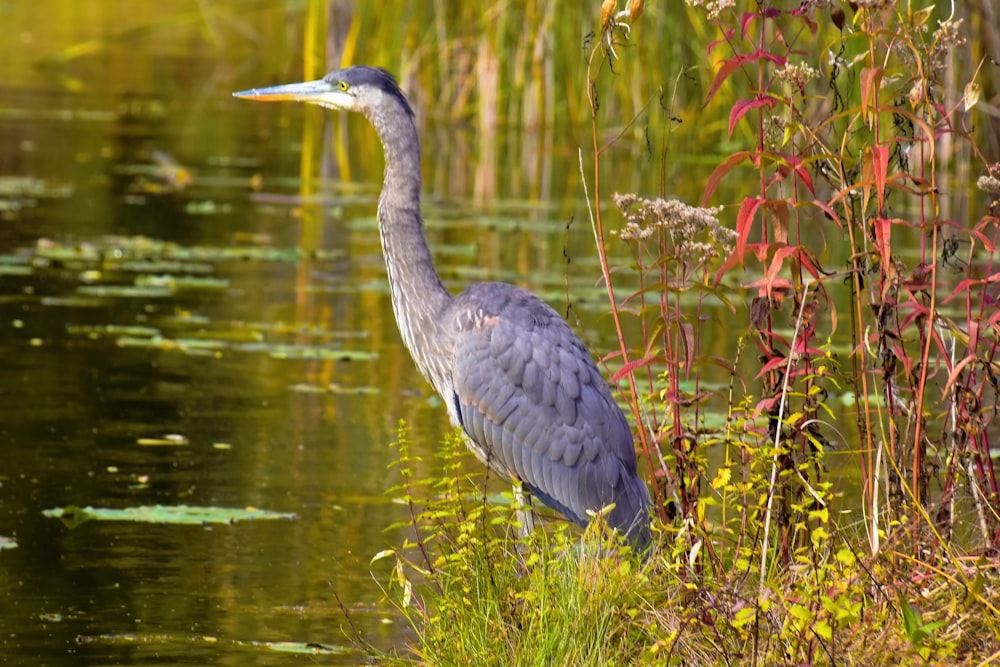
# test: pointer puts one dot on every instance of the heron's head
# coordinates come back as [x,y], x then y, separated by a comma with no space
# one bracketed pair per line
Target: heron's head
[358,88]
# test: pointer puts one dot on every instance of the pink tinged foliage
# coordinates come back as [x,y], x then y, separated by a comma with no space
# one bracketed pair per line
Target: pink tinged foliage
[741,108]
[969,283]
[747,18]
[719,172]
[730,65]
[633,366]
[789,163]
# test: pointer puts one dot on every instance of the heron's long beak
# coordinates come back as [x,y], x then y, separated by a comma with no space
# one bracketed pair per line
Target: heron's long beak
[316,92]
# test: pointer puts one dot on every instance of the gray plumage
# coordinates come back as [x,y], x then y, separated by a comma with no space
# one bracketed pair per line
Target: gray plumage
[513,375]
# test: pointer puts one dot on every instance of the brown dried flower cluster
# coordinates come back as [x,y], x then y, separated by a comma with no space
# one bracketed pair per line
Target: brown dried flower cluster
[695,232]
[946,37]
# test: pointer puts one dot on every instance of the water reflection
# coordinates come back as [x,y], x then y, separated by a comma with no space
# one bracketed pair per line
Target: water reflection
[181,164]
[74,407]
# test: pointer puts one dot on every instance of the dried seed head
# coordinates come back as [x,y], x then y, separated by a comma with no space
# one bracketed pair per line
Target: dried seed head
[990,185]
[694,233]
[713,7]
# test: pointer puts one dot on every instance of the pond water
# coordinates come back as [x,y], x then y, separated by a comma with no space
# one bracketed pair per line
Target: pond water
[183,323]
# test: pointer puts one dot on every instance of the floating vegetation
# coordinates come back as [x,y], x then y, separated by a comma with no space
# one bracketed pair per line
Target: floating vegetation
[73,516]
[332,388]
[100,330]
[166,640]
[309,648]
[25,186]
[15,269]
[130,252]
[13,260]
[471,220]
[246,340]
[288,351]
[168,440]
[126,291]
[301,329]
[190,346]
[166,266]
[177,283]
[73,301]
[207,207]
[185,318]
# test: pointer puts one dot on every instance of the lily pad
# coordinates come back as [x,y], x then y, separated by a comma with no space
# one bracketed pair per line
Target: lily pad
[169,440]
[180,640]
[175,283]
[126,291]
[286,351]
[98,330]
[333,388]
[73,516]
[14,270]
[310,648]
[74,301]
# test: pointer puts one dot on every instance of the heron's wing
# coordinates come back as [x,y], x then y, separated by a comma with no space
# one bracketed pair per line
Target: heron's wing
[531,399]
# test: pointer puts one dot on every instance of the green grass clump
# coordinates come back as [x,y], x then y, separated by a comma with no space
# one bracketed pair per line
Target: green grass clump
[477,592]
[491,596]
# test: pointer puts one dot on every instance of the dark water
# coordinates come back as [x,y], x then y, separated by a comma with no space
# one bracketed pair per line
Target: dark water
[132,164]
[74,407]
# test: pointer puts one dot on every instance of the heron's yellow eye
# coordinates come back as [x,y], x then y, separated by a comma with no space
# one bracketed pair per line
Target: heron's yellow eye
[343,85]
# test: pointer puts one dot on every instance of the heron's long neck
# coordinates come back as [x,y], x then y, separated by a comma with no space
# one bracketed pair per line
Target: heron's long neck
[418,296]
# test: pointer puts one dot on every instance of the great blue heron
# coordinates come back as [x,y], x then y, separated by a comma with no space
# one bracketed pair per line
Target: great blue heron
[512,374]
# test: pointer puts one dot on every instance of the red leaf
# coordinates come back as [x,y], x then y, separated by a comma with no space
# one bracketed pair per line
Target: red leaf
[773,364]
[968,283]
[802,13]
[744,222]
[729,66]
[732,260]
[748,17]
[803,173]
[953,376]
[808,262]
[687,332]
[725,40]
[713,180]
[829,211]
[880,161]
[743,106]
[780,61]
[633,366]
[788,163]
[883,234]
[870,77]
[777,262]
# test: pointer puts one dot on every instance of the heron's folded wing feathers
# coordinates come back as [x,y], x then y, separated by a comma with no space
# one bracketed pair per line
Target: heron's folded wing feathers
[534,403]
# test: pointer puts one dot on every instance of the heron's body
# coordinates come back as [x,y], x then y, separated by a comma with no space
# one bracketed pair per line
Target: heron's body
[513,375]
